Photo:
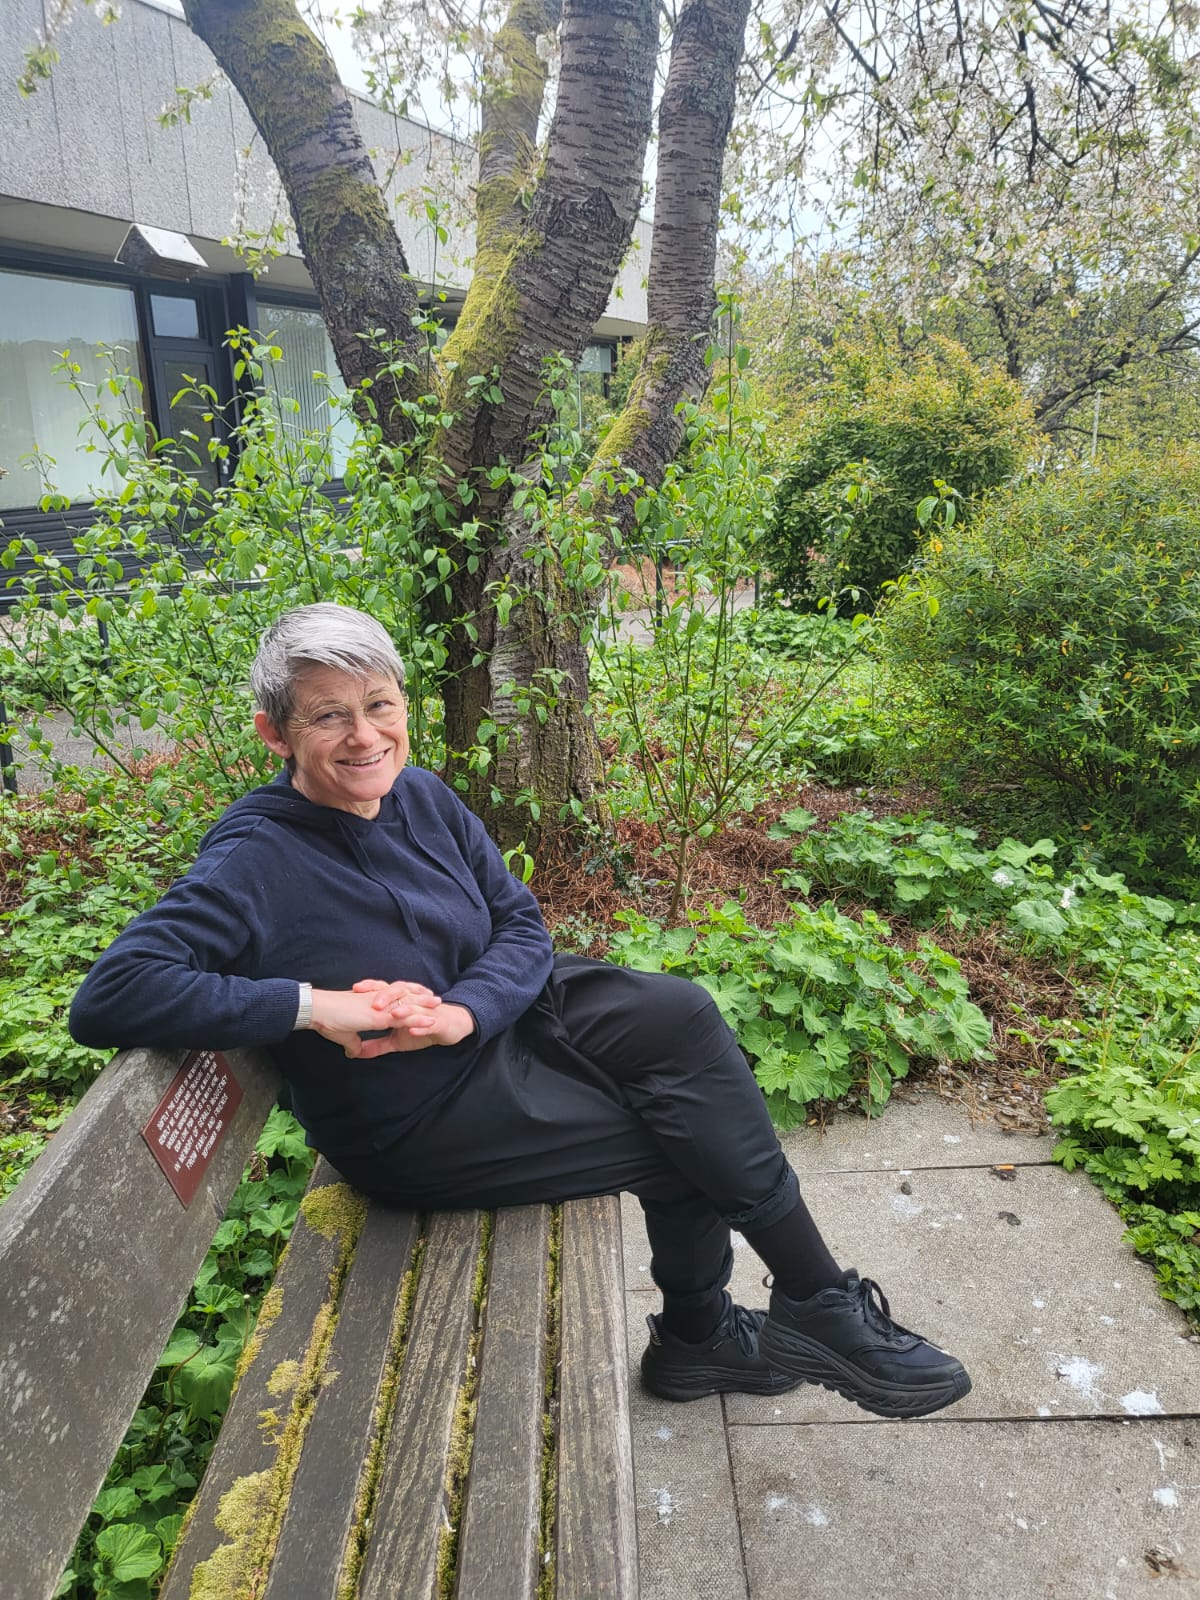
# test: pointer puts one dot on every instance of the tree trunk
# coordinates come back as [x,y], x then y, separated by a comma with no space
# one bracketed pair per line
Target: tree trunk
[694,119]
[544,284]
[550,239]
[354,257]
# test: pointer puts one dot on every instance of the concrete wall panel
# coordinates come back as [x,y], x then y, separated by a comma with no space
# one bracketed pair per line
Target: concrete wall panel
[209,151]
[30,156]
[90,142]
[92,116]
[156,164]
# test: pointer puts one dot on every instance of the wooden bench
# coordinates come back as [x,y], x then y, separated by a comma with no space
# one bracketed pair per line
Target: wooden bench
[429,1406]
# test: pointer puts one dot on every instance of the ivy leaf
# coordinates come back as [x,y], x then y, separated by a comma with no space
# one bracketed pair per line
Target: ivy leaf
[129,1551]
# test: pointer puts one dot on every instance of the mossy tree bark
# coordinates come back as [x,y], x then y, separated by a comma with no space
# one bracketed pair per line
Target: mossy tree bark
[552,230]
[299,106]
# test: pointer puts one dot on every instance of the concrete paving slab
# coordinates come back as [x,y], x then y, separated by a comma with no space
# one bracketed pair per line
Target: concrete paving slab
[950,1511]
[924,1131]
[688,1540]
[1027,1282]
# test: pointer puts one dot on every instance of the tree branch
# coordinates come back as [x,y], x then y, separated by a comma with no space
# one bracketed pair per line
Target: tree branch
[355,259]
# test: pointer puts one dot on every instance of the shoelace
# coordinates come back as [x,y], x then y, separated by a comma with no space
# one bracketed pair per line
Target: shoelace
[743,1326]
[875,1307]
[877,1311]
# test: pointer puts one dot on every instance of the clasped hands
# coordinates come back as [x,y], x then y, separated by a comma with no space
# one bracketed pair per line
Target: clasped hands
[406,1016]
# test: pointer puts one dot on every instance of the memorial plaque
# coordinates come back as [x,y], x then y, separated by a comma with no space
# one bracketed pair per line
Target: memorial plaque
[191,1118]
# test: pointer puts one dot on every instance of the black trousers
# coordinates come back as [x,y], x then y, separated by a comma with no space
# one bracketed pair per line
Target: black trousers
[616,1080]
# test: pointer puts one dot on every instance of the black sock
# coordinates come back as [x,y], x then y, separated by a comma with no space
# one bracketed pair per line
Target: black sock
[796,1254]
[694,1324]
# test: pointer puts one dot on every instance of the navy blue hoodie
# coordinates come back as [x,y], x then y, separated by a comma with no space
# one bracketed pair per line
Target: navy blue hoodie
[285,891]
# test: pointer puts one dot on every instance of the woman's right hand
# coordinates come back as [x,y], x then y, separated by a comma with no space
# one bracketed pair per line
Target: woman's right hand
[344,1014]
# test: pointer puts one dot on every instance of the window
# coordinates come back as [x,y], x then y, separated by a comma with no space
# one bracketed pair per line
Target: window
[300,334]
[40,317]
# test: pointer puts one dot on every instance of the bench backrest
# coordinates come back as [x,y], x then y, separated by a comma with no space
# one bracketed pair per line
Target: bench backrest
[96,1258]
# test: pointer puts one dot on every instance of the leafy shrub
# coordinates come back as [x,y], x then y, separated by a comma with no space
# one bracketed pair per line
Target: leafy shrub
[77,868]
[1051,647]
[1130,1106]
[701,713]
[846,513]
[823,1005]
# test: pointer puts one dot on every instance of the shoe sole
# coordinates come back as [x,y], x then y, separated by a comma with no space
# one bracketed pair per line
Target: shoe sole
[701,1382]
[806,1361]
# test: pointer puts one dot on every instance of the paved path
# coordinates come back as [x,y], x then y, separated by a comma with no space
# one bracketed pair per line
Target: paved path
[1071,1471]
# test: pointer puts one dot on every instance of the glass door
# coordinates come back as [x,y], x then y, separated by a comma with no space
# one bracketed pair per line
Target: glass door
[184,359]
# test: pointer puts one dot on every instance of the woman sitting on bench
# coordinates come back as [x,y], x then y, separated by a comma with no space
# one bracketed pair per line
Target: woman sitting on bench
[355,920]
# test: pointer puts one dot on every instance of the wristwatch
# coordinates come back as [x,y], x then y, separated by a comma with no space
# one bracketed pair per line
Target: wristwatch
[304,1010]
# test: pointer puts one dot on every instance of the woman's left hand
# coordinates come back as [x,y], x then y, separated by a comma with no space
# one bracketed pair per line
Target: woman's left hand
[415,1024]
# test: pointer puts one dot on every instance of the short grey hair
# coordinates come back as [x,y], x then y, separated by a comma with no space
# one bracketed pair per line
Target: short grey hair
[322,635]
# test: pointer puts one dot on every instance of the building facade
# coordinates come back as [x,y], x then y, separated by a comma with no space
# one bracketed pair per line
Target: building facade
[87,157]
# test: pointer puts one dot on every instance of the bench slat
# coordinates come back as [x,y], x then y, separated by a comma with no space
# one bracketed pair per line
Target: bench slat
[97,1256]
[410,1512]
[596,1538]
[498,1548]
[322,1507]
[247,1451]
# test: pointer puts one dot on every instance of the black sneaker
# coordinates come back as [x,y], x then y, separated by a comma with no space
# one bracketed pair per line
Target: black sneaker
[727,1362]
[845,1339]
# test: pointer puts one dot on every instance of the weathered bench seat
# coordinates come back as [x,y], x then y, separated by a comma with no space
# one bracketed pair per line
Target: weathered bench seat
[429,1405]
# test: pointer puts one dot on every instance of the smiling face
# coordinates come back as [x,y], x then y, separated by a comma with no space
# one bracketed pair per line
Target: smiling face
[347,738]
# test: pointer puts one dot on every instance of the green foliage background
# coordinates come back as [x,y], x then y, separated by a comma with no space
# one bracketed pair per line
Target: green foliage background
[894,429]
[1050,646]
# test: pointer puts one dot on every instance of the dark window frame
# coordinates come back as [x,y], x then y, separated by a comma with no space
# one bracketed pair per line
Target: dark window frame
[225,301]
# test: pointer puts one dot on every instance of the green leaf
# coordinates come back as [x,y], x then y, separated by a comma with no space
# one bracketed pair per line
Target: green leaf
[153,1483]
[910,890]
[1038,916]
[206,1383]
[167,1529]
[736,1000]
[873,973]
[797,821]
[968,1028]
[113,1504]
[182,1344]
[129,1551]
